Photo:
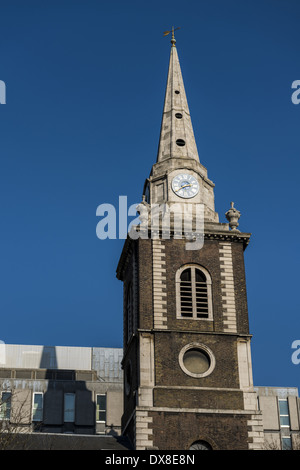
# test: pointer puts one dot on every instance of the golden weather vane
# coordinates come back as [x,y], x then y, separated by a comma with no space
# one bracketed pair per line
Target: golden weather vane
[173,40]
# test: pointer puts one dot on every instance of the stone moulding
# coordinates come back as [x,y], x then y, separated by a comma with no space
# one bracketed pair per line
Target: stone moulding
[228,236]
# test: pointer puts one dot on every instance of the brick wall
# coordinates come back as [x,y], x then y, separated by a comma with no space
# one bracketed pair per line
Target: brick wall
[178,431]
[173,388]
[169,372]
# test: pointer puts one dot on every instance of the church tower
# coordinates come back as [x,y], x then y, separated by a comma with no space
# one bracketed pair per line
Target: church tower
[187,359]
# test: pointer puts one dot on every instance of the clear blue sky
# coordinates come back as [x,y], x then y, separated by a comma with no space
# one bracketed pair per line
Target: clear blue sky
[85,88]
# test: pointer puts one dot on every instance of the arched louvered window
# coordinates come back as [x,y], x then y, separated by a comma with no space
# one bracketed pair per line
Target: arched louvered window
[193,285]
[200,445]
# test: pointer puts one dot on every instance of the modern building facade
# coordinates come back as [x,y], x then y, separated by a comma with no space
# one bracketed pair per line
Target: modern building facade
[280,412]
[62,389]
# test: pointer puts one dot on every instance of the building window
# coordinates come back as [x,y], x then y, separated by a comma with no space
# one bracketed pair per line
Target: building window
[285,428]
[286,443]
[37,407]
[196,360]
[193,293]
[101,409]
[69,407]
[5,405]
[284,413]
[200,445]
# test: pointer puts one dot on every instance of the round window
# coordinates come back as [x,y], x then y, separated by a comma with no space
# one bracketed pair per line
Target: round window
[196,360]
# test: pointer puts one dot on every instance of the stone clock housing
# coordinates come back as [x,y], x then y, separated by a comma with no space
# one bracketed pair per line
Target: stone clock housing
[187,358]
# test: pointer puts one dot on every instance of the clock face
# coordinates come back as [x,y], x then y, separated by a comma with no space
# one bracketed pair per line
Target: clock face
[185,186]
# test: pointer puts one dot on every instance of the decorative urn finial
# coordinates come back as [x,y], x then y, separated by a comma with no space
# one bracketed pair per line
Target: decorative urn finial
[233,215]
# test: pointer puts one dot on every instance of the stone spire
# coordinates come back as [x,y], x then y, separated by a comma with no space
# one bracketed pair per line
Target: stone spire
[176,136]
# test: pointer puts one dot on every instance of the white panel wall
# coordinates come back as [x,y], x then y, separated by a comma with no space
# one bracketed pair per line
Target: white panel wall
[47,357]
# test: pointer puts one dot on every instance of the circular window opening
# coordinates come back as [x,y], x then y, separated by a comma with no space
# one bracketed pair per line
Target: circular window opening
[177,92]
[180,142]
[178,115]
[196,360]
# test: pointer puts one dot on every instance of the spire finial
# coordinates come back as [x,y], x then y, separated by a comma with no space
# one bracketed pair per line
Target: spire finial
[173,40]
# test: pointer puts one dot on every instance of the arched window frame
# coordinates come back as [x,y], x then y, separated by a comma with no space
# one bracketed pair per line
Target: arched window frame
[193,267]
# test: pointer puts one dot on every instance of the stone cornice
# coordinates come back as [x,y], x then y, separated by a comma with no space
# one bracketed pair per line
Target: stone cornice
[223,235]
[231,236]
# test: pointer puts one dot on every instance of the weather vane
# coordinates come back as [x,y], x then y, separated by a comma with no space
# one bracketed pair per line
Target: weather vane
[173,40]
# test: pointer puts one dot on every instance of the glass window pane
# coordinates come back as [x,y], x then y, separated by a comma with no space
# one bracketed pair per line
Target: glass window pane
[283,407]
[101,408]
[5,405]
[186,275]
[37,414]
[196,361]
[200,276]
[101,401]
[69,414]
[286,443]
[284,421]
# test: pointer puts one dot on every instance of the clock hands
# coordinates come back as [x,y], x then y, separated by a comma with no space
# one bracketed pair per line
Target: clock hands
[181,187]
